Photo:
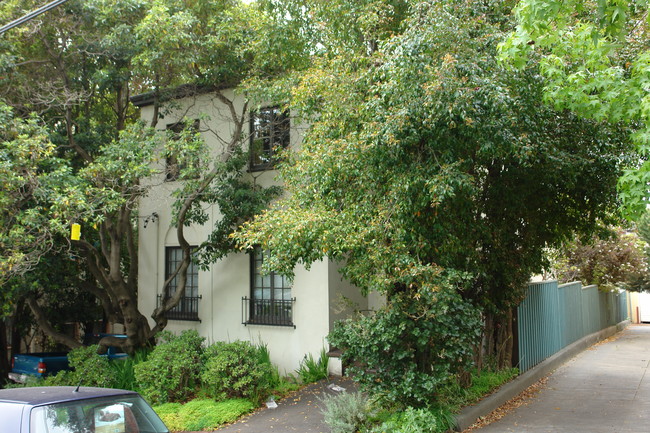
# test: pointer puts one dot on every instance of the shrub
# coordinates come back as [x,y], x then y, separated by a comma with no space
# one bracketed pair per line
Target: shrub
[417,421]
[311,370]
[202,415]
[171,371]
[416,344]
[234,370]
[89,369]
[346,412]
[124,370]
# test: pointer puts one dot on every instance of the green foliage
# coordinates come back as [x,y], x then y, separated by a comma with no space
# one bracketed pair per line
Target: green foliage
[312,370]
[124,370]
[202,415]
[237,369]
[408,350]
[595,60]
[414,420]
[426,155]
[88,369]
[30,173]
[347,412]
[454,396]
[171,371]
[86,158]
[239,199]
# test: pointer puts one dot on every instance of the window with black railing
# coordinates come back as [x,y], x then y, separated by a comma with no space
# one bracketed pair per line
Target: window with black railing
[270,302]
[188,307]
[268,311]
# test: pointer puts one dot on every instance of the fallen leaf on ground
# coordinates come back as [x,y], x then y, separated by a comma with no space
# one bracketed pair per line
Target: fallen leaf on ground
[520,400]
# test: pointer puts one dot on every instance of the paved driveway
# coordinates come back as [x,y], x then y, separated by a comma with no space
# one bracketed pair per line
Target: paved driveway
[300,413]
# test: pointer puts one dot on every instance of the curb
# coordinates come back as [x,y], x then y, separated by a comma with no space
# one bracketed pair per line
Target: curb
[508,391]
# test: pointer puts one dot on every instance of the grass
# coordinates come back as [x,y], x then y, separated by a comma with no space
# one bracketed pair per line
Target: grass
[483,383]
[202,414]
[313,370]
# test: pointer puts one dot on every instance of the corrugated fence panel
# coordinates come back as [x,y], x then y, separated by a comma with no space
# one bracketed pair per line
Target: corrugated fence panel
[591,309]
[538,340]
[571,312]
[553,316]
[622,307]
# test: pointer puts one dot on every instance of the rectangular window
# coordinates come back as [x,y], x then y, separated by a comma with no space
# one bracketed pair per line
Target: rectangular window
[270,132]
[270,302]
[172,166]
[188,308]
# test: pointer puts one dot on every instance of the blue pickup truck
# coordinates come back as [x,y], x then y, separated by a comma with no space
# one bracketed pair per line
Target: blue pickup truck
[44,364]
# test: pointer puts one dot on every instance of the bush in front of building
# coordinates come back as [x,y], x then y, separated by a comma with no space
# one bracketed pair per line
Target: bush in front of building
[237,370]
[172,369]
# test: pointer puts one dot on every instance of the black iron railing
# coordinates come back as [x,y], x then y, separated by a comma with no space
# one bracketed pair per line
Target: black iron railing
[187,309]
[267,312]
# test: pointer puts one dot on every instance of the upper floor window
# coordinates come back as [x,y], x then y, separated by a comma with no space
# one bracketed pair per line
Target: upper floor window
[270,132]
[188,308]
[172,165]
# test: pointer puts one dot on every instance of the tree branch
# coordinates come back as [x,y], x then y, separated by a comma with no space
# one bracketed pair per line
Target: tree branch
[47,328]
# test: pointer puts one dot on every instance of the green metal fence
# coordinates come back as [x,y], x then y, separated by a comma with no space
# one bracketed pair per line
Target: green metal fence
[552,316]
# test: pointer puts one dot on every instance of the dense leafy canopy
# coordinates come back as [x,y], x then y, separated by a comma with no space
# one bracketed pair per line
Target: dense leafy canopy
[74,151]
[432,173]
[427,155]
[595,58]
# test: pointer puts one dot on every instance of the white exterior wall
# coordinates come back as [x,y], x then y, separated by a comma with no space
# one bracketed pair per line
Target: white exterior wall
[227,281]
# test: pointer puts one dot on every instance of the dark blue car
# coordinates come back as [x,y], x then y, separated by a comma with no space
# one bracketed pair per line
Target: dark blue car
[68,409]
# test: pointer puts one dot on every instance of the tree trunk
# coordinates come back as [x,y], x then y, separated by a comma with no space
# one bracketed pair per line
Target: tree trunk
[498,341]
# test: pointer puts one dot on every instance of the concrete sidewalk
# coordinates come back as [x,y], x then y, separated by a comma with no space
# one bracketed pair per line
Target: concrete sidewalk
[604,389]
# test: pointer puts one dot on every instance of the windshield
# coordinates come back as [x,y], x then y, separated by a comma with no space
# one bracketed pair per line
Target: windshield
[117,414]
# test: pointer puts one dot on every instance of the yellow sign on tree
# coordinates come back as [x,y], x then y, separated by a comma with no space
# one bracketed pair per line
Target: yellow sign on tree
[75,232]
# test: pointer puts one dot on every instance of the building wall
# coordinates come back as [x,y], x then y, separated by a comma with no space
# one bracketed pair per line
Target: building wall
[227,281]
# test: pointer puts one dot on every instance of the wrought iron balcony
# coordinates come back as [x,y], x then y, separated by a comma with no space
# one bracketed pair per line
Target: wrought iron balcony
[267,312]
[187,309]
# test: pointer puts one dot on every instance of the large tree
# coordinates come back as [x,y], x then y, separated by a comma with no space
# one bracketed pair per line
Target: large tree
[76,69]
[595,58]
[425,158]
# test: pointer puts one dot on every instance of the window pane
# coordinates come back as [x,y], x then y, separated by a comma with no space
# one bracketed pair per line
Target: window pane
[270,131]
[120,413]
[187,309]
[268,295]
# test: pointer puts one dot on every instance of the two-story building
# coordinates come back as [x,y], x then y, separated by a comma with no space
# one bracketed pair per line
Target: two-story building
[234,300]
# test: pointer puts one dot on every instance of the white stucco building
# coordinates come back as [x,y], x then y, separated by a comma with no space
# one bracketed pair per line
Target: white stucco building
[232,300]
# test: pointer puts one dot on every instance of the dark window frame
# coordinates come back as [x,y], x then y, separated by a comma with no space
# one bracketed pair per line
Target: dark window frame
[270,131]
[188,307]
[275,306]
[172,167]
